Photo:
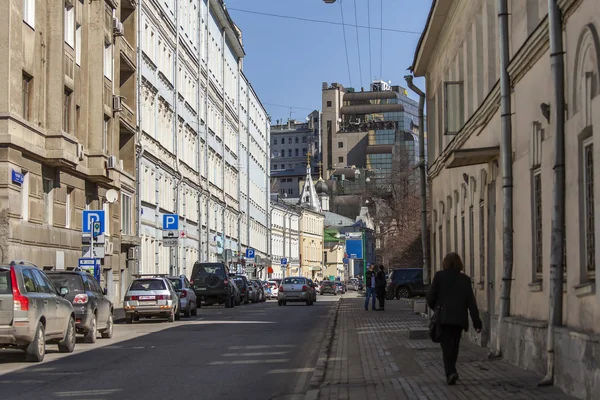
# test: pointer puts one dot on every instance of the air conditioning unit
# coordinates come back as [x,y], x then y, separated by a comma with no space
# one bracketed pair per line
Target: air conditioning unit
[117,103]
[80,151]
[118,29]
[111,163]
[132,253]
[108,248]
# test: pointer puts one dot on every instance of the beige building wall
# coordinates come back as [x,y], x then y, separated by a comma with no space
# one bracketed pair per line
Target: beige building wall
[466,192]
[63,130]
[311,243]
[334,266]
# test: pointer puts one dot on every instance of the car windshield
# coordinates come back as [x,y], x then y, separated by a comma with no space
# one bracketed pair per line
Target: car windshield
[208,269]
[238,281]
[72,281]
[294,281]
[5,282]
[176,284]
[148,284]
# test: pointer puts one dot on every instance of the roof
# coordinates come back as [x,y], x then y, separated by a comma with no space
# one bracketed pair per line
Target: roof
[333,219]
[331,236]
[370,109]
[363,96]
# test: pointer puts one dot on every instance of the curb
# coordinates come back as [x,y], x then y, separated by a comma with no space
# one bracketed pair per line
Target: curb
[325,348]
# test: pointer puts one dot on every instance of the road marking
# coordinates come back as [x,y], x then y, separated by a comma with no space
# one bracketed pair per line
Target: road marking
[291,371]
[260,346]
[241,362]
[87,393]
[268,353]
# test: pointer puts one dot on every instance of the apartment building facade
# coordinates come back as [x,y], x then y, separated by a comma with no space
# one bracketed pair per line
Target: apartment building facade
[62,157]
[285,239]
[458,55]
[204,139]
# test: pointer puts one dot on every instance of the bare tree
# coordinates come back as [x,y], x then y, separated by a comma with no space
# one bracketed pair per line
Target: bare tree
[274,185]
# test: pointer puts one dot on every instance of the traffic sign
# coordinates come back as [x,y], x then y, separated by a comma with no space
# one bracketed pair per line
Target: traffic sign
[90,265]
[250,253]
[98,252]
[89,218]
[345,260]
[284,261]
[170,242]
[170,222]
[96,229]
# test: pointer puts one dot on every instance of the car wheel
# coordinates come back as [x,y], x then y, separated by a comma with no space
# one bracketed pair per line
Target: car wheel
[279,303]
[195,310]
[171,317]
[227,303]
[246,301]
[108,332]
[389,295]
[232,302]
[36,350]
[90,336]
[129,319]
[187,313]
[178,314]
[68,344]
[402,293]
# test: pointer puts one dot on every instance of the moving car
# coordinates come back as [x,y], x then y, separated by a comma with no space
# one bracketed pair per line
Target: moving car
[212,284]
[328,287]
[33,313]
[405,283]
[274,286]
[295,289]
[340,287]
[93,310]
[151,296]
[187,298]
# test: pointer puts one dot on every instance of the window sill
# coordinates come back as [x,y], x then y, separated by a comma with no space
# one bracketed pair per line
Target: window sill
[585,289]
[536,286]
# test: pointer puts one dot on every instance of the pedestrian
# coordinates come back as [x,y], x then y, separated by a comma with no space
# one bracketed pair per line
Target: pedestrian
[380,283]
[370,284]
[451,296]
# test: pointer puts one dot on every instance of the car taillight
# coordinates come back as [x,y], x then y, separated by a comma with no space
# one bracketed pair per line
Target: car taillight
[191,281]
[226,281]
[81,298]
[304,288]
[281,288]
[129,298]
[183,294]
[20,302]
[162,297]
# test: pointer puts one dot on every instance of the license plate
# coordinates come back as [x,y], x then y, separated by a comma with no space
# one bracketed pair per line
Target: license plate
[147,297]
[147,303]
[202,288]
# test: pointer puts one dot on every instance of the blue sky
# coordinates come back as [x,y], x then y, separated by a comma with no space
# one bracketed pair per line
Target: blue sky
[287,60]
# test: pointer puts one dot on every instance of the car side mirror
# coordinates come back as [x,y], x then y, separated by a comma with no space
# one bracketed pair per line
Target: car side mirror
[64,291]
[105,291]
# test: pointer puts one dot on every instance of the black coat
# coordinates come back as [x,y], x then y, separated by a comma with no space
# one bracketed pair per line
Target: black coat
[452,290]
[380,282]
[368,276]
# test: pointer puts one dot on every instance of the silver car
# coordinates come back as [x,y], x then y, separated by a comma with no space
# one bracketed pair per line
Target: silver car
[151,296]
[294,288]
[33,312]
[187,297]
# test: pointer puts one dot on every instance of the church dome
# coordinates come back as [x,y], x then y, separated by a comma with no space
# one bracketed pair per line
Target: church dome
[321,187]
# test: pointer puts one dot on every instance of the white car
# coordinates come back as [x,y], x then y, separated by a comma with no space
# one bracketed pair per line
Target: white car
[274,288]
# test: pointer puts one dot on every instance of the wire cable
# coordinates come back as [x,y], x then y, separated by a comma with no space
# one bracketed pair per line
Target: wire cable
[360,75]
[345,44]
[321,21]
[381,63]
[284,106]
[370,58]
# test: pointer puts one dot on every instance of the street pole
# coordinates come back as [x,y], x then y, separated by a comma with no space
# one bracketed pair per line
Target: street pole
[555,316]
[364,251]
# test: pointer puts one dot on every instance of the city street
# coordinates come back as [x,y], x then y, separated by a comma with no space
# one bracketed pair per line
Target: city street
[257,351]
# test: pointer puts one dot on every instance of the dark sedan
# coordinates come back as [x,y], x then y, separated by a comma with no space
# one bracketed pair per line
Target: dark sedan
[328,287]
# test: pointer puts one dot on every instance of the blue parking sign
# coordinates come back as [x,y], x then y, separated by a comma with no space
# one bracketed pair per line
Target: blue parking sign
[90,217]
[284,261]
[170,222]
[249,253]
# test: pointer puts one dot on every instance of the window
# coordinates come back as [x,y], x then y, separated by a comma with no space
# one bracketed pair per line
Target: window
[588,208]
[297,152]
[481,242]
[48,199]
[304,139]
[289,140]
[67,97]
[282,166]
[42,284]
[108,60]
[297,139]
[537,223]
[107,218]
[304,151]
[25,197]
[340,145]
[29,12]
[328,103]
[290,151]
[125,214]
[78,40]
[68,205]
[105,133]
[27,96]
[341,159]
[453,107]
[282,154]
[69,22]
[274,166]
[472,242]
[274,141]
[290,191]
[29,282]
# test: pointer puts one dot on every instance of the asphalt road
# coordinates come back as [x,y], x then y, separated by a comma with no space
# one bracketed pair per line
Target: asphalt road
[258,351]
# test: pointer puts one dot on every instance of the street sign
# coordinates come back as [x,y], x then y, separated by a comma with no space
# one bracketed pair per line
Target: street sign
[170,222]
[345,260]
[250,253]
[354,247]
[96,229]
[170,242]
[91,266]
[98,252]
[91,216]
[170,234]
[284,261]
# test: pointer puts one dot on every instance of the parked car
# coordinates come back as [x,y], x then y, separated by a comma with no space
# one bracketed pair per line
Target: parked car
[252,293]
[405,283]
[295,289]
[258,286]
[33,313]
[93,310]
[187,298]
[236,293]
[328,287]
[242,283]
[313,289]
[353,284]
[151,296]
[274,286]
[212,284]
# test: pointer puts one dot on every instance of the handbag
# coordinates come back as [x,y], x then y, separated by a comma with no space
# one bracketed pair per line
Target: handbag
[435,325]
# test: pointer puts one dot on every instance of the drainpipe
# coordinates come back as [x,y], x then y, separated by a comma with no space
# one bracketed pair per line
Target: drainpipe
[223,46]
[507,177]
[175,250]
[555,316]
[198,118]
[139,153]
[207,190]
[423,178]
[238,143]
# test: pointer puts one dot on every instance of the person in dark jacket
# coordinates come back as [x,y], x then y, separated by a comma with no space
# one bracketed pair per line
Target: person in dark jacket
[370,284]
[380,287]
[451,290]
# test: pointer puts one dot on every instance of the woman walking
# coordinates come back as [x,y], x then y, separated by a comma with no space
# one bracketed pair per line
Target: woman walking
[380,287]
[451,295]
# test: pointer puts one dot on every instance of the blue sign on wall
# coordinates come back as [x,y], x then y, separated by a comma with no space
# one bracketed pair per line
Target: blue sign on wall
[284,261]
[249,253]
[170,222]
[91,216]
[17,177]
[354,248]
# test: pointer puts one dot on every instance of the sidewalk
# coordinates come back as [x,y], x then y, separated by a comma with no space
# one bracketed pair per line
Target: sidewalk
[370,357]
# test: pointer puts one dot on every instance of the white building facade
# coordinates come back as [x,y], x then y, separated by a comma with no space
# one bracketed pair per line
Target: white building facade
[199,118]
[285,237]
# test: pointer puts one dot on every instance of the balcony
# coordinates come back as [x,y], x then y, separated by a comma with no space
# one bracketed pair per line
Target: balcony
[127,118]
[127,55]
